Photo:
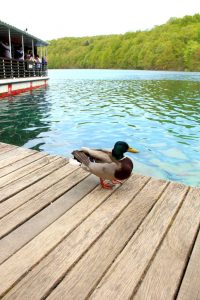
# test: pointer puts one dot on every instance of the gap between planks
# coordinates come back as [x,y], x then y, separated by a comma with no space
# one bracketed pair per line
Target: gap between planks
[45,242]
[31,228]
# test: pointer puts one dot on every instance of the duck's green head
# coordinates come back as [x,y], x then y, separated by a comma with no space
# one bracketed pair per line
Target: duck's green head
[120,148]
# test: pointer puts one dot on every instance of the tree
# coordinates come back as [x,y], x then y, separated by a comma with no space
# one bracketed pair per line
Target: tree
[171,46]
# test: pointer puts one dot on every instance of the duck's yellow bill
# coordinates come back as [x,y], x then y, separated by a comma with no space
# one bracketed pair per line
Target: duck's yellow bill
[132,150]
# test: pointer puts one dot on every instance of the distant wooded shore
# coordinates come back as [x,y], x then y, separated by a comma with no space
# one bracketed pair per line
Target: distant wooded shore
[174,45]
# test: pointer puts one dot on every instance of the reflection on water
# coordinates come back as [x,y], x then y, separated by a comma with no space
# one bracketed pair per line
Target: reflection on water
[21,118]
[156,112]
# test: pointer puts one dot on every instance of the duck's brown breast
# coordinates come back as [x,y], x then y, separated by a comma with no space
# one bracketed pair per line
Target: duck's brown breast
[126,168]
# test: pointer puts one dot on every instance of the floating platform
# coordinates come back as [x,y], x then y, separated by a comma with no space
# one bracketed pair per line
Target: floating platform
[11,87]
[20,67]
[64,237]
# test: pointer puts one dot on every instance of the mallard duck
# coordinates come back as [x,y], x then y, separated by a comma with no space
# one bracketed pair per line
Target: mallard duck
[107,165]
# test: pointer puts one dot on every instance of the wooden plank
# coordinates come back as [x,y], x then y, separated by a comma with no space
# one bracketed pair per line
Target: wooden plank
[14,155]
[12,152]
[56,184]
[36,188]
[4,144]
[125,273]
[12,269]
[190,287]
[98,259]
[21,163]
[166,270]
[29,179]
[6,148]
[27,231]
[36,164]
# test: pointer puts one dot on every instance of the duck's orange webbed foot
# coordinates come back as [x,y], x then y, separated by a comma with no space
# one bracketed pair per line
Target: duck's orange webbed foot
[105,185]
[115,181]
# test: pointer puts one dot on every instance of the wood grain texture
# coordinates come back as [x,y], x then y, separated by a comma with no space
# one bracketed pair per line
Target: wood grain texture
[125,273]
[48,177]
[190,287]
[6,148]
[27,231]
[34,205]
[19,164]
[14,155]
[64,237]
[168,266]
[19,173]
[68,251]
[82,279]
[29,179]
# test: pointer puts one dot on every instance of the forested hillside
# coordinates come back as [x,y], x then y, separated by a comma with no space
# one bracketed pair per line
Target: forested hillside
[171,46]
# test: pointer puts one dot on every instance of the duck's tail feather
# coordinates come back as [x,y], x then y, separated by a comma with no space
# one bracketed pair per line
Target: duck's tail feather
[81,157]
[74,162]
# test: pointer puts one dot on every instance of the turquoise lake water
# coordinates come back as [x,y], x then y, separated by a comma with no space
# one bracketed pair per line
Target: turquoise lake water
[156,112]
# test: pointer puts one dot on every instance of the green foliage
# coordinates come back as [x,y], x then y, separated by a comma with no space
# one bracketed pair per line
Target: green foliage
[171,46]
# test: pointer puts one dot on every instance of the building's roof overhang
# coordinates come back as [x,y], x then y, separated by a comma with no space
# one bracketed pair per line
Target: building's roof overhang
[16,36]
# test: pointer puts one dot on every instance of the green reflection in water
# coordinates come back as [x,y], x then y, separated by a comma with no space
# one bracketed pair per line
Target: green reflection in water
[22,118]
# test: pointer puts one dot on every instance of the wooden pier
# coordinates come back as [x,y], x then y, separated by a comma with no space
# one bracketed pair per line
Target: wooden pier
[64,237]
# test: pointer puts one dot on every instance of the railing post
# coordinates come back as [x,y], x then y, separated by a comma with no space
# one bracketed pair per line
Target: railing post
[4,69]
[24,68]
[18,74]
[9,37]
[23,46]
[33,48]
[11,69]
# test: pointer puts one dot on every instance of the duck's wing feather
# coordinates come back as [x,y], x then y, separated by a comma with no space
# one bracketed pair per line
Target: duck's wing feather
[99,155]
[102,170]
[81,157]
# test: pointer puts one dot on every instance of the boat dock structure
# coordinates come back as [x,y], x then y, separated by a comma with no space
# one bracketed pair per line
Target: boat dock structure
[62,236]
[23,62]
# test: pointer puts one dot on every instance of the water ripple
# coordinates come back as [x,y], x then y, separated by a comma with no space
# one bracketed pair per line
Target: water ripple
[156,112]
